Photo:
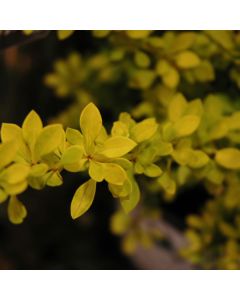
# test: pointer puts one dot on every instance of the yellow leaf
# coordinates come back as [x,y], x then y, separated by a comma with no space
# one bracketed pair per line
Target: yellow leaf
[114,174]
[15,173]
[3,196]
[171,78]
[90,123]
[167,183]
[15,189]
[187,60]
[48,140]
[228,158]
[120,223]
[72,155]
[142,79]
[117,146]
[138,34]
[141,59]
[74,136]
[197,159]
[8,152]
[10,132]
[186,125]
[83,198]
[129,243]
[119,128]
[129,202]
[223,37]
[120,191]
[55,179]
[38,170]
[153,171]
[144,130]
[16,211]
[96,171]
[177,107]
[31,128]
[64,34]
[183,41]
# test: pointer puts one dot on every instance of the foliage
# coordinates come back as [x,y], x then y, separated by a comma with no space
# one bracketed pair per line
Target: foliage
[182,129]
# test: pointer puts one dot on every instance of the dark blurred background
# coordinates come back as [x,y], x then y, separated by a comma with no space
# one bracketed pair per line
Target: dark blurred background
[49,238]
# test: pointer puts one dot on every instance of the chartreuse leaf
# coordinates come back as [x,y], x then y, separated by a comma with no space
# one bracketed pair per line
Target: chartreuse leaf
[72,155]
[48,140]
[31,128]
[74,136]
[90,123]
[7,153]
[177,107]
[187,59]
[16,211]
[117,146]
[15,173]
[83,198]
[228,158]
[114,174]
[144,130]
[186,125]
[129,202]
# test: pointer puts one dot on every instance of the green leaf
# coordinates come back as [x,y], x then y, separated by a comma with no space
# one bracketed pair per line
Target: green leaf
[83,198]
[48,140]
[228,158]
[16,211]
[117,146]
